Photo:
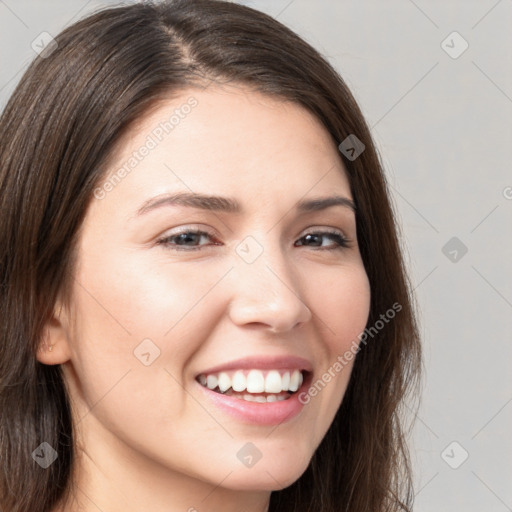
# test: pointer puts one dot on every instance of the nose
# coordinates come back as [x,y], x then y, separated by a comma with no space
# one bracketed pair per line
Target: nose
[267,293]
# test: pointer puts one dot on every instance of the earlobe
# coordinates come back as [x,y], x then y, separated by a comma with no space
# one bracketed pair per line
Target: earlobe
[53,346]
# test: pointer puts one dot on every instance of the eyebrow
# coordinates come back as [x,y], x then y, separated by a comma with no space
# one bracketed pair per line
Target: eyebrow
[231,205]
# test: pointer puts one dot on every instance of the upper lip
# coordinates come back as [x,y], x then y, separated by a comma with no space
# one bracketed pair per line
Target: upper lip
[263,363]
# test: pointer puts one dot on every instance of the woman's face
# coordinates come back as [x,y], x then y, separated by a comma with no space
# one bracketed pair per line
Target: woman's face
[266,295]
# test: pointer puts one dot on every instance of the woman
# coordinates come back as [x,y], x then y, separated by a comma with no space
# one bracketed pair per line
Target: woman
[204,302]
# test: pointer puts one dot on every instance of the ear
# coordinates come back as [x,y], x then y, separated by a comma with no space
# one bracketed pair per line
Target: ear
[55,335]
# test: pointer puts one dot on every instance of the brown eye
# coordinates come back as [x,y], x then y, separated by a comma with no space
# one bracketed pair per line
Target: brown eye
[314,239]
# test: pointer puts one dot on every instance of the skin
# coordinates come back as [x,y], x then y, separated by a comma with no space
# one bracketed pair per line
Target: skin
[147,437]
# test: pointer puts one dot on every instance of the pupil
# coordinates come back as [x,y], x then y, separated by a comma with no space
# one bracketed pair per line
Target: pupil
[186,237]
[311,237]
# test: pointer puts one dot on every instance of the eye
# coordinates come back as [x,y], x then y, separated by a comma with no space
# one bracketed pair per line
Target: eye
[188,240]
[341,241]
[184,240]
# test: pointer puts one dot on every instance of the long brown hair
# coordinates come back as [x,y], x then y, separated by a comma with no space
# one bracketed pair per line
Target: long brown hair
[59,128]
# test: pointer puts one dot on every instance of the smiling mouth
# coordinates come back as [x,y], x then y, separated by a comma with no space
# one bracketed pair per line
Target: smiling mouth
[261,386]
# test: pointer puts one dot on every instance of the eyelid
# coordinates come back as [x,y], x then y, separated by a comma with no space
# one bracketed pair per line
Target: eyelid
[196,227]
[323,229]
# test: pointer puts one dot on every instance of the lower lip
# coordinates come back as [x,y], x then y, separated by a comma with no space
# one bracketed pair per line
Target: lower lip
[269,413]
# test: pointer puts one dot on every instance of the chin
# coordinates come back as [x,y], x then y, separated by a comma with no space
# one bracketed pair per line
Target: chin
[267,477]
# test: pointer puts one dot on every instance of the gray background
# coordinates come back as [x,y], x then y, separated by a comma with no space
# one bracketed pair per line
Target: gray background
[443,127]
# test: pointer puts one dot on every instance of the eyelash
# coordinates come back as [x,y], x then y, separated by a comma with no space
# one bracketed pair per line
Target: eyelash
[342,241]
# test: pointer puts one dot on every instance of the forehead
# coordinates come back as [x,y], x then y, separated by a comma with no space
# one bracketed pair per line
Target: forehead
[230,137]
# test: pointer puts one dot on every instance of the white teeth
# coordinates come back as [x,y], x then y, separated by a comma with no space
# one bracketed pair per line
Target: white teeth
[211,381]
[239,382]
[262,399]
[285,381]
[295,381]
[224,382]
[255,382]
[273,382]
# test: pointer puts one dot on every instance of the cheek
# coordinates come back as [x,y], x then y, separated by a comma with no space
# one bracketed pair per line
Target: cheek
[126,300]
[147,320]
[343,306]
[133,337]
